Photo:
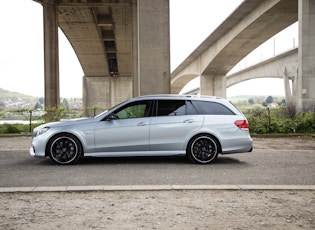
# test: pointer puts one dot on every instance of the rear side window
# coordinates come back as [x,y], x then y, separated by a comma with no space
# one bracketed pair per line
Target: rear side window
[191,109]
[171,107]
[212,108]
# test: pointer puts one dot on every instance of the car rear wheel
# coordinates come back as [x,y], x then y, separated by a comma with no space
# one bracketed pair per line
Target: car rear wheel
[202,149]
[64,149]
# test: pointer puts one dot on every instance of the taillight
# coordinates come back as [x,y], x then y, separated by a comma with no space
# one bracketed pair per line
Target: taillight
[242,124]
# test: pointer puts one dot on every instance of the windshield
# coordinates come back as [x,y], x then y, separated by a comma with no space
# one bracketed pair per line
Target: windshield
[102,113]
[99,115]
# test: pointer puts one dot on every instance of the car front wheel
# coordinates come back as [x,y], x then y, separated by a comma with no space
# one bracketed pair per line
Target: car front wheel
[64,149]
[202,149]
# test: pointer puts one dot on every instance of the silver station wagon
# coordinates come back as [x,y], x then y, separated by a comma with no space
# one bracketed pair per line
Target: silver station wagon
[159,125]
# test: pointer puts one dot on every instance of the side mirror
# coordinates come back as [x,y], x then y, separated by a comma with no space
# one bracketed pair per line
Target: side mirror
[111,116]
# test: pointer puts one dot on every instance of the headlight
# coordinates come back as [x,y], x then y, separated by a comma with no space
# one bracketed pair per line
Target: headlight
[42,131]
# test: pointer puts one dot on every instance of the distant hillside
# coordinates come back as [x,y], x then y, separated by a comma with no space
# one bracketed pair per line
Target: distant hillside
[14,101]
[6,94]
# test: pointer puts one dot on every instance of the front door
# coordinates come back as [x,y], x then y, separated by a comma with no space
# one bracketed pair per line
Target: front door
[129,132]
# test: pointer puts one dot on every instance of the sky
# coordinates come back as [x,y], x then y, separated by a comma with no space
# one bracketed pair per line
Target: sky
[191,22]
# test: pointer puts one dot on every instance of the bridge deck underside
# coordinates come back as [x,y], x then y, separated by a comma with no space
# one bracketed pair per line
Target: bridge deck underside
[100,34]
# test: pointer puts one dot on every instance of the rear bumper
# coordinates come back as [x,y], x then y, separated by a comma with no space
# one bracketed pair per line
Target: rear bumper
[244,148]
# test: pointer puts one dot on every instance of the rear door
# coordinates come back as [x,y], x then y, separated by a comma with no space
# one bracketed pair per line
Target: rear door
[174,121]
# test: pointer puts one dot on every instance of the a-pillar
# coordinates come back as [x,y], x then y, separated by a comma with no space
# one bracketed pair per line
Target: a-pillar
[51,60]
[151,55]
[306,53]
[213,85]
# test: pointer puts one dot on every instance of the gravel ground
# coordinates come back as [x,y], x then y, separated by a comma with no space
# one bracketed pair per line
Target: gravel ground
[178,209]
[207,209]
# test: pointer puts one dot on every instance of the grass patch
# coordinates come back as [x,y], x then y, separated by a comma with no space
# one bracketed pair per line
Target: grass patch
[16,128]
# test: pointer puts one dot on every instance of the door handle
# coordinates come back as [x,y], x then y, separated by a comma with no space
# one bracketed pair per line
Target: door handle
[142,124]
[189,121]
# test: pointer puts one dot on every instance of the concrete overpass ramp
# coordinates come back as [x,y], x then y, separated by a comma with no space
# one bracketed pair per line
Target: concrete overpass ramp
[250,25]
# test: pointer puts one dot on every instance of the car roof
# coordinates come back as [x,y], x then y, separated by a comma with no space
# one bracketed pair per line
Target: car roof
[188,97]
[176,96]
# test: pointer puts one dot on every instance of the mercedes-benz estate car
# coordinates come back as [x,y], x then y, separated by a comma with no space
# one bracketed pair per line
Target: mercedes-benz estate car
[199,127]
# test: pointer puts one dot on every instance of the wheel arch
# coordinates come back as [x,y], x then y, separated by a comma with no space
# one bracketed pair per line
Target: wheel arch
[207,134]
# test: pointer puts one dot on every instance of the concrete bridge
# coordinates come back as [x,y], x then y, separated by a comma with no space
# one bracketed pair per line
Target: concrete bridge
[123,47]
[283,66]
[245,29]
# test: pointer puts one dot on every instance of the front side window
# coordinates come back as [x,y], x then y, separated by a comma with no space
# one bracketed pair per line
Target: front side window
[134,110]
[212,108]
[171,107]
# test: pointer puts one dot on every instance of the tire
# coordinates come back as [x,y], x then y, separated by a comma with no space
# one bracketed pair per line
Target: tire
[202,149]
[64,149]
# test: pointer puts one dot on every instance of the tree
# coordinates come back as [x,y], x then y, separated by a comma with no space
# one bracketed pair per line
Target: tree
[282,102]
[65,104]
[2,105]
[251,101]
[41,100]
[264,104]
[38,106]
[269,100]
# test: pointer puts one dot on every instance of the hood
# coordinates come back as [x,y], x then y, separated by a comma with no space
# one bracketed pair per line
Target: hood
[67,122]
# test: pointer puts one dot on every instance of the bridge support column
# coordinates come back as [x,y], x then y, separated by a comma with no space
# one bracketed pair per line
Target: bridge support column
[151,48]
[106,91]
[213,85]
[51,59]
[289,92]
[306,71]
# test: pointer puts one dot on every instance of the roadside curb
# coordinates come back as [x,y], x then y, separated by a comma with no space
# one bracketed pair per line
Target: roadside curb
[153,188]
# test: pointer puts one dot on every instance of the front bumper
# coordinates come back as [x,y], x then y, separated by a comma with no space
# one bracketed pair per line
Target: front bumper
[38,147]
[33,154]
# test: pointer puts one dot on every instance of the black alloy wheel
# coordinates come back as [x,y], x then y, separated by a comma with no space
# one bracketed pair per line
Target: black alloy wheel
[202,149]
[64,149]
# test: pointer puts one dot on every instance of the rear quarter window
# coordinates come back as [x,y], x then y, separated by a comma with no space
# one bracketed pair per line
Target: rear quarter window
[212,108]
